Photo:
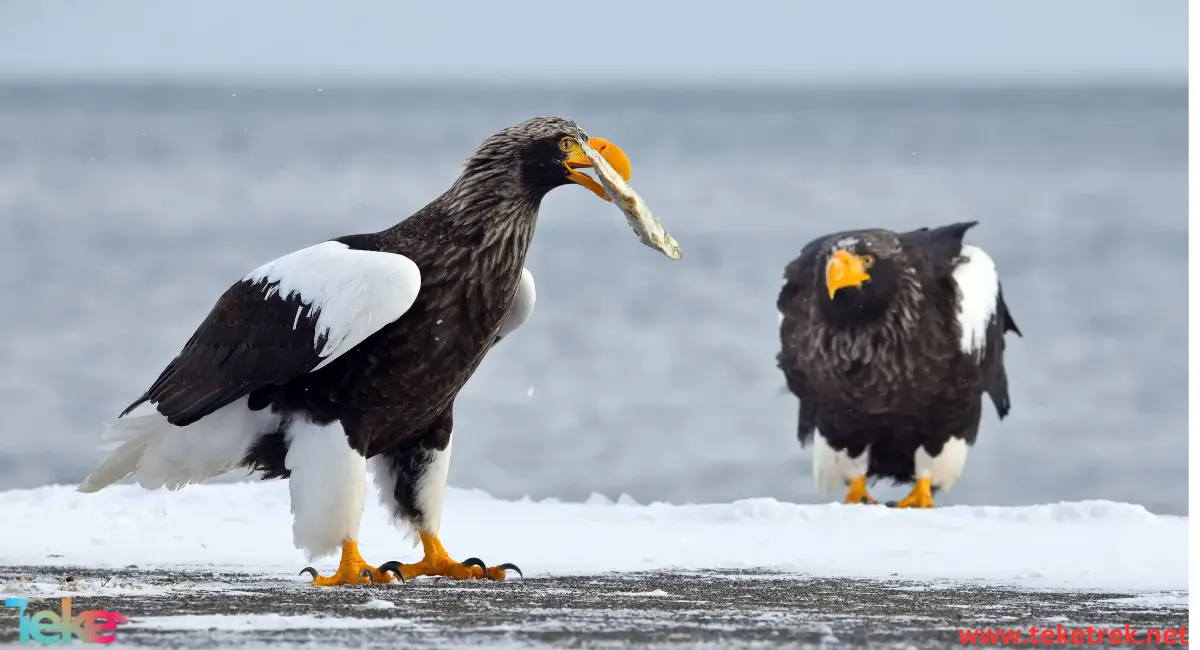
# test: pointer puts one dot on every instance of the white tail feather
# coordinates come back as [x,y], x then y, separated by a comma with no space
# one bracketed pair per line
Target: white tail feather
[118,464]
[158,454]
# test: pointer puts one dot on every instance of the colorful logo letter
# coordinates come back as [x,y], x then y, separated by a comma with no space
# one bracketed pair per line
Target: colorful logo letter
[47,627]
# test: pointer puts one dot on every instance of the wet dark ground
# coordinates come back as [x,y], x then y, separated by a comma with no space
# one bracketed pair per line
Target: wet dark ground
[650,610]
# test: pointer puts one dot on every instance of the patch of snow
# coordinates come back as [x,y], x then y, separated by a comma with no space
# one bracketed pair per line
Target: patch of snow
[1165,600]
[249,622]
[376,603]
[73,586]
[18,587]
[657,593]
[626,500]
[597,499]
[247,527]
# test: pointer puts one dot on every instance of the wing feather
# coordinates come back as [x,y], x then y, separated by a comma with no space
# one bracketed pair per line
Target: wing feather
[289,317]
[522,305]
[797,289]
[982,315]
[995,379]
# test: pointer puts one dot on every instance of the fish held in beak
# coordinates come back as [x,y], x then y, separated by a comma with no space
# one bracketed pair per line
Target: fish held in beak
[606,158]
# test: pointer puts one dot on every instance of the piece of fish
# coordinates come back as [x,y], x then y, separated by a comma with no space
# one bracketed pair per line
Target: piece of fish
[647,226]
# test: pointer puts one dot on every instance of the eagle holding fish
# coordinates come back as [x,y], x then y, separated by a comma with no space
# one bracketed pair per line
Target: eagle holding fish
[352,351]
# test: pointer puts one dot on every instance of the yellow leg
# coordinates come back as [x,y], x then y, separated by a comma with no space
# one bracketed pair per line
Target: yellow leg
[858,491]
[920,497]
[438,563]
[352,570]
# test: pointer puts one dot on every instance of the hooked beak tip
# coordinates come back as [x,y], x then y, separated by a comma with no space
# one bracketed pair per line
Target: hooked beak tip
[614,156]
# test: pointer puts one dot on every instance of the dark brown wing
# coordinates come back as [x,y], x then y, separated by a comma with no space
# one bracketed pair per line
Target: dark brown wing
[283,320]
[252,338]
[991,364]
[797,289]
[944,248]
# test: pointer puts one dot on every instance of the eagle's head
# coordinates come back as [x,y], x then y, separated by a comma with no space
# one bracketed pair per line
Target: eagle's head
[863,272]
[542,153]
[518,165]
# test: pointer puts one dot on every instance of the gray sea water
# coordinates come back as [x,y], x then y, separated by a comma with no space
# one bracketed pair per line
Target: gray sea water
[127,210]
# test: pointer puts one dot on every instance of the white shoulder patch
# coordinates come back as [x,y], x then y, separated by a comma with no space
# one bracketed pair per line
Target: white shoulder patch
[978,292]
[351,293]
[522,305]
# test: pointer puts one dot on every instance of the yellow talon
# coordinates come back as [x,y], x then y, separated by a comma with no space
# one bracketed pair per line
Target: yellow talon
[352,570]
[438,563]
[920,497]
[858,491]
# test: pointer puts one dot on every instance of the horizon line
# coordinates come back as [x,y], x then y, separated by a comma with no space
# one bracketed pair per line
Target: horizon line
[611,80]
[831,78]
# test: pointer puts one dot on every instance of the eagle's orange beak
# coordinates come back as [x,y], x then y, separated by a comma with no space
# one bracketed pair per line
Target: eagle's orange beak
[576,159]
[845,269]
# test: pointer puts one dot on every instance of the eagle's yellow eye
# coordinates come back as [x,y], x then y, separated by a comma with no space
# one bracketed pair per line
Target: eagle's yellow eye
[868,261]
[566,144]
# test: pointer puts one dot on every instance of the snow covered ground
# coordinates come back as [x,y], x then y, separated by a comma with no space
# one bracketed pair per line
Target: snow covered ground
[246,527]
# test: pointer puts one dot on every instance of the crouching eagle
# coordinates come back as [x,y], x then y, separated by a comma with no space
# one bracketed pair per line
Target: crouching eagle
[890,341]
[355,349]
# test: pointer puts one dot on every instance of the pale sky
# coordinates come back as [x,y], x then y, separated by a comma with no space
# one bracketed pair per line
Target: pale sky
[804,39]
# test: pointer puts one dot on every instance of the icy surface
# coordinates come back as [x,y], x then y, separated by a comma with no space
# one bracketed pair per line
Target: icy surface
[240,622]
[247,527]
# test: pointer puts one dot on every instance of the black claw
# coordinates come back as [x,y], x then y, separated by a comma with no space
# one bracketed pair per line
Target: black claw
[366,573]
[865,501]
[891,504]
[310,571]
[392,566]
[474,561]
[509,566]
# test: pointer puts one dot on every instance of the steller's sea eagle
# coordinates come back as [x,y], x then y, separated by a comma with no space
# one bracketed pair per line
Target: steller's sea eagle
[355,349]
[890,341]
